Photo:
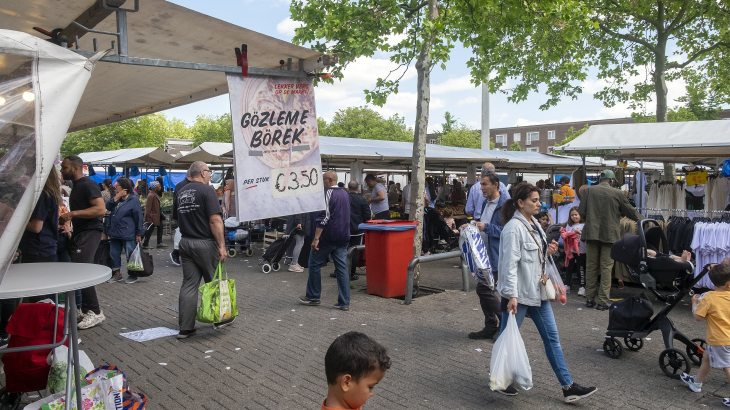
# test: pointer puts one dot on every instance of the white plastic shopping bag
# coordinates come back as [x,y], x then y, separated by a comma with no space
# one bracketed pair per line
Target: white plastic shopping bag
[553,273]
[99,395]
[176,239]
[509,364]
[475,254]
[135,260]
[57,376]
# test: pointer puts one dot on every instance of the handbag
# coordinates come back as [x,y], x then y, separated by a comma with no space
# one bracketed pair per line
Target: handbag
[218,302]
[547,290]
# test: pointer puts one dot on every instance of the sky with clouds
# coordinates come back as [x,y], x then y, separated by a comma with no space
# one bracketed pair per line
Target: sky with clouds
[451,89]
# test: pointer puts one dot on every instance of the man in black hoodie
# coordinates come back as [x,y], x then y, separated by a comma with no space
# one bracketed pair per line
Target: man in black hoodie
[359,213]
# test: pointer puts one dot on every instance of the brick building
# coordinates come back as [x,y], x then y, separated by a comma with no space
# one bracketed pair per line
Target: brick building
[543,137]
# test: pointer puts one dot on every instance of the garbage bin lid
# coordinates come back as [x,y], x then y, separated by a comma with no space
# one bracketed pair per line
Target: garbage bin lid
[388,225]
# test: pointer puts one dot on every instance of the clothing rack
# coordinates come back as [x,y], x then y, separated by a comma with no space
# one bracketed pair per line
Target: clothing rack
[683,210]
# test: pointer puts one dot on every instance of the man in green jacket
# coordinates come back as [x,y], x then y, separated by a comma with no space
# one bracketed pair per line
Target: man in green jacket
[602,207]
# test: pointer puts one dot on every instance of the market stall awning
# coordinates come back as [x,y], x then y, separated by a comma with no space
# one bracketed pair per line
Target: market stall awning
[535,161]
[695,141]
[210,153]
[159,30]
[130,156]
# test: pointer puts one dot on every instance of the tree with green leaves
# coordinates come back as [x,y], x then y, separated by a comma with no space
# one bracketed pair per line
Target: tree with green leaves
[140,132]
[212,128]
[366,123]
[449,123]
[360,28]
[463,136]
[515,146]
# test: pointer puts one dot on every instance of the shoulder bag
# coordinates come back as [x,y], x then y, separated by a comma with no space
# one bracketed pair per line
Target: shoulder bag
[547,291]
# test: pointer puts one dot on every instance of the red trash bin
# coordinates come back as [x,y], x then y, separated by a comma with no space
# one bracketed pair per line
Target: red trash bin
[389,245]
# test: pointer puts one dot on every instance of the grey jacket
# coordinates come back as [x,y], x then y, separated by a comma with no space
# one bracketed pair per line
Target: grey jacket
[519,262]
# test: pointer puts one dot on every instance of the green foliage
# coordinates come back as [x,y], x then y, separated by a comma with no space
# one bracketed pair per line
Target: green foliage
[702,102]
[145,131]
[556,43]
[365,123]
[212,128]
[361,28]
[449,123]
[515,146]
[572,134]
[462,136]
[679,114]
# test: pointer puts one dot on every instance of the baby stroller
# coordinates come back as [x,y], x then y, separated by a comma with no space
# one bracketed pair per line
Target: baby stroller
[237,234]
[552,233]
[435,231]
[273,254]
[631,318]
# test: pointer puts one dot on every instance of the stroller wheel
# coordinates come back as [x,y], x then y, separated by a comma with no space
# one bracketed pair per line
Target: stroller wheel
[612,348]
[633,344]
[266,268]
[249,252]
[674,362]
[232,252]
[276,266]
[696,357]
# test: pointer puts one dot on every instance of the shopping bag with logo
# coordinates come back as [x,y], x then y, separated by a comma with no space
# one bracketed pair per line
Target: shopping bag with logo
[218,302]
[509,364]
[135,260]
[102,394]
[130,399]
[475,254]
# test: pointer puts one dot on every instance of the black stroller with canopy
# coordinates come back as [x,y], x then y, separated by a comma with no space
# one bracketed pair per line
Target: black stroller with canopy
[437,236]
[631,319]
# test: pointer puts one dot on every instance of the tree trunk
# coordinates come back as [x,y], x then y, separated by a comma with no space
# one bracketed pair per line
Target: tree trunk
[418,165]
[660,86]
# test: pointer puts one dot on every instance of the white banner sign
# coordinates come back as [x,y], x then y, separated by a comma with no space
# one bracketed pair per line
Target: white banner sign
[278,170]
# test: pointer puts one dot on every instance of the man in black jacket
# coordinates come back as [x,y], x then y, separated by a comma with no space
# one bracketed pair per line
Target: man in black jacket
[359,213]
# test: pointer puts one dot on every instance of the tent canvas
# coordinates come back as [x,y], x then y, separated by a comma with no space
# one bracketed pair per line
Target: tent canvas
[695,141]
[129,156]
[41,88]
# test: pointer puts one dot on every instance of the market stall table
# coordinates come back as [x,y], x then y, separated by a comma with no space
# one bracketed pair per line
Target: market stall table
[36,279]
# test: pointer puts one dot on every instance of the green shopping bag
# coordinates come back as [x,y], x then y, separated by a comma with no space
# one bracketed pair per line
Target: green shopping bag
[218,303]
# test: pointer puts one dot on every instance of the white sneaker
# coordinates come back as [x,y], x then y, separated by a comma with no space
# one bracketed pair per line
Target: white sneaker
[582,291]
[79,315]
[91,319]
[295,268]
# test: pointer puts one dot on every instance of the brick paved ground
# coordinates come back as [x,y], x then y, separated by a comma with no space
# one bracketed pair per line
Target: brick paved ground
[279,364]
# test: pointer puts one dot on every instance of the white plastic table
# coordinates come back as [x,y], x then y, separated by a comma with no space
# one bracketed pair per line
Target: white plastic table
[36,279]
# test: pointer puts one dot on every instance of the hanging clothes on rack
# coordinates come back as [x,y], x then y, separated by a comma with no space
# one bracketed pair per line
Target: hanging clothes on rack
[711,244]
[717,192]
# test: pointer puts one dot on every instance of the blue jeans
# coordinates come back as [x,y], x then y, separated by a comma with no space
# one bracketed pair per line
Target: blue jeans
[316,260]
[545,322]
[115,251]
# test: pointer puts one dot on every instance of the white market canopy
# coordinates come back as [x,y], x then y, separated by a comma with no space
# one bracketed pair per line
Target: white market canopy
[397,155]
[159,30]
[695,141]
[129,156]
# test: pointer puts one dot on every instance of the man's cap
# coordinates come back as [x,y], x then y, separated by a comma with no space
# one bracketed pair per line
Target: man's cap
[607,174]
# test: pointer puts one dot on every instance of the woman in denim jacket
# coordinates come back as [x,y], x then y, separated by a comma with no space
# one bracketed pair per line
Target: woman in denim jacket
[522,251]
[126,227]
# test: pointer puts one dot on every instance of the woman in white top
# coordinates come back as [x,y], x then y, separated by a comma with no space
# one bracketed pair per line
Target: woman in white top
[523,249]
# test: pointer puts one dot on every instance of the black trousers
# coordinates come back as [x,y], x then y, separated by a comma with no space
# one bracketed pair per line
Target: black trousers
[82,248]
[577,264]
[490,302]
[148,234]
[383,215]
[354,241]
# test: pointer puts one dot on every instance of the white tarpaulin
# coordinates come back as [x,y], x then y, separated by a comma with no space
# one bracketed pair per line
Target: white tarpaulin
[694,141]
[40,87]
[276,146]
[129,156]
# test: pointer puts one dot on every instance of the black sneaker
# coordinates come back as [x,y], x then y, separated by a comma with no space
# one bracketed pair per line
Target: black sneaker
[304,300]
[601,307]
[333,275]
[223,324]
[590,303]
[131,279]
[345,308]
[509,391]
[577,392]
[354,277]
[4,342]
[175,257]
[184,334]
[483,334]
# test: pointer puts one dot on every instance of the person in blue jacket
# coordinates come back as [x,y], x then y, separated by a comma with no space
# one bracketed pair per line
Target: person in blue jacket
[126,227]
[490,227]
